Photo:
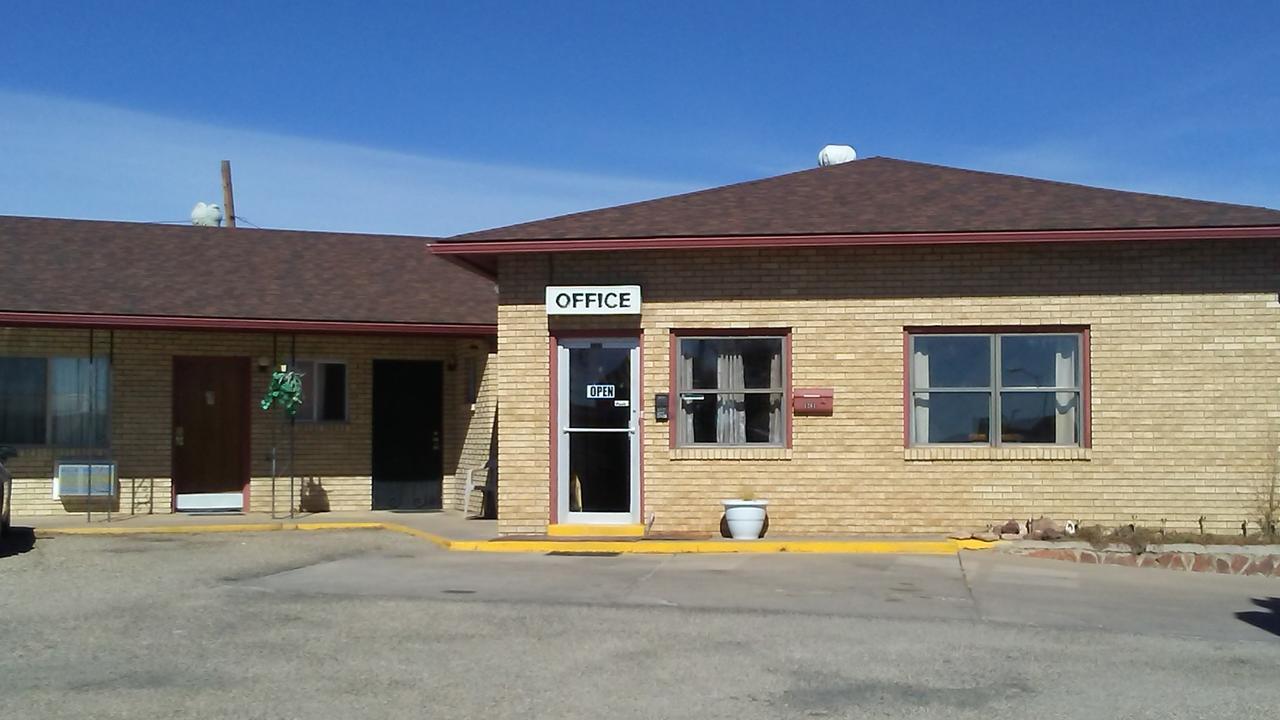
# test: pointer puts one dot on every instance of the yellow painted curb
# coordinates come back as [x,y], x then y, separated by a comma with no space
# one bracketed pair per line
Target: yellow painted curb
[676,547]
[438,540]
[339,526]
[649,547]
[567,530]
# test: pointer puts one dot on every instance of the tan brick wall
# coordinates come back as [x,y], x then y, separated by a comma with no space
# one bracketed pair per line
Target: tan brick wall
[332,458]
[479,440]
[1185,341]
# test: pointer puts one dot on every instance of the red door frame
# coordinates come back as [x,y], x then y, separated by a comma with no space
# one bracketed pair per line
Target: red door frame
[246,426]
[553,406]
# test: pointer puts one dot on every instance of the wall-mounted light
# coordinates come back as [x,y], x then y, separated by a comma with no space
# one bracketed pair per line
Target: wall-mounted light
[264,364]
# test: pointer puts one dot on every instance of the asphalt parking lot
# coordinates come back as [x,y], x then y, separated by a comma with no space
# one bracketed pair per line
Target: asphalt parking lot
[374,624]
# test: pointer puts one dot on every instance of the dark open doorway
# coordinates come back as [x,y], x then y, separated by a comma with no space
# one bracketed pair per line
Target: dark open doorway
[408,442]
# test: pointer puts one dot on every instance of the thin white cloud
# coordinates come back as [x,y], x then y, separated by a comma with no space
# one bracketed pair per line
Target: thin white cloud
[1105,164]
[68,158]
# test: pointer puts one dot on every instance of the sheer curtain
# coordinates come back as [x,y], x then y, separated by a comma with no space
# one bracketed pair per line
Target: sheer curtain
[79,402]
[683,414]
[920,402]
[1066,404]
[731,415]
[775,401]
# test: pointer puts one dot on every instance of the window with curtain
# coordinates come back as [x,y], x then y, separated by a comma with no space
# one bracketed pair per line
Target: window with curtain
[324,391]
[65,402]
[79,402]
[730,391]
[996,389]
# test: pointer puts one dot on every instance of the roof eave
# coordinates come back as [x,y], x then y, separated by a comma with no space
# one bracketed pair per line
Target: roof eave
[499,247]
[157,322]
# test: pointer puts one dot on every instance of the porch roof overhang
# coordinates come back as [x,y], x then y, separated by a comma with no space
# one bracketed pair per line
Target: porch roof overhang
[226,324]
[483,254]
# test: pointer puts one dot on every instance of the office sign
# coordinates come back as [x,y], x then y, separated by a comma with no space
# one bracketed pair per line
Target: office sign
[593,300]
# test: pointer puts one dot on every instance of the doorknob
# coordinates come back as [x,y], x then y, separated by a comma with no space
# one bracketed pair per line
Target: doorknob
[177,436]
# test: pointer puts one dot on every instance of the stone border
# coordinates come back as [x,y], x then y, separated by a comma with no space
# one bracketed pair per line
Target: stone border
[1223,559]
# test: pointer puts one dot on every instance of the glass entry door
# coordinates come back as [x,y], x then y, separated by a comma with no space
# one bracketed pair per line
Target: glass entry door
[598,453]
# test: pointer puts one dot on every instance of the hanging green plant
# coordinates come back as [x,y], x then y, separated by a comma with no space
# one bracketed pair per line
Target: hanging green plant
[284,390]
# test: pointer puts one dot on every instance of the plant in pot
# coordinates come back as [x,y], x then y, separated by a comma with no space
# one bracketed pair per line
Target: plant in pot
[745,515]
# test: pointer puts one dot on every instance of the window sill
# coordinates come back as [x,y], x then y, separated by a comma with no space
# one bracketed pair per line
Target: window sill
[1039,452]
[730,453]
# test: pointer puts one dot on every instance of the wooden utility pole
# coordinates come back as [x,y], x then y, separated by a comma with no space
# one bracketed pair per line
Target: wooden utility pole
[228,196]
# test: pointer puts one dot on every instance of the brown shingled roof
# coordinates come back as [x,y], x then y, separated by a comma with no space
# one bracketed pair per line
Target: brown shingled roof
[884,195]
[132,269]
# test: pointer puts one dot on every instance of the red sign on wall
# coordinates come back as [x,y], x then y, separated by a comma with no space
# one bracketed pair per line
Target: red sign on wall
[813,401]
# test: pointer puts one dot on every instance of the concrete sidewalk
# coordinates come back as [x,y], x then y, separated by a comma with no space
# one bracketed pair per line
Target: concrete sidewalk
[451,530]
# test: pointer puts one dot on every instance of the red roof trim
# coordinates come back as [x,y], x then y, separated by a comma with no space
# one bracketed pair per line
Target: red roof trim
[494,247]
[152,322]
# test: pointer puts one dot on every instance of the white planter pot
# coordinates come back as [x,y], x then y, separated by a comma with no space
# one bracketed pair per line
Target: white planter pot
[745,517]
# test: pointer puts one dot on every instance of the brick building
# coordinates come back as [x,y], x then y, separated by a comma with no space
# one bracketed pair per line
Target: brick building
[886,346]
[141,351]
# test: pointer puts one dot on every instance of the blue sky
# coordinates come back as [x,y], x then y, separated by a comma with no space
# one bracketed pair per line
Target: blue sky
[437,118]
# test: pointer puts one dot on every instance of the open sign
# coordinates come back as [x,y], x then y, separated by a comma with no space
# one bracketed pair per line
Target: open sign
[601,392]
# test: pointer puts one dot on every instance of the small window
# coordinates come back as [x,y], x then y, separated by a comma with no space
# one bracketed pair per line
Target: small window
[64,402]
[731,391]
[324,391]
[996,389]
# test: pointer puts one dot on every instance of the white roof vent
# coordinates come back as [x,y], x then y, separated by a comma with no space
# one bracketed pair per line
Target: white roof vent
[836,154]
[206,215]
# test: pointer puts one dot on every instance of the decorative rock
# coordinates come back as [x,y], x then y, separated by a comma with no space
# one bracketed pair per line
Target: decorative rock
[1013,527]
[1255,560]
[1261,566]
[960,536]
[986,536]
[1042,524]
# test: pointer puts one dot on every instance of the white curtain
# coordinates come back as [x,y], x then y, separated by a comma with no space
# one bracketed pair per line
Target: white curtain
[79,402]
[920,403]
[684,415]
[1065,403]
[731,416]
[775,404]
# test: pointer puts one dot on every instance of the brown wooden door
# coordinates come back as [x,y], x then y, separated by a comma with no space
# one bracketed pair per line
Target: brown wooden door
[210,424]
